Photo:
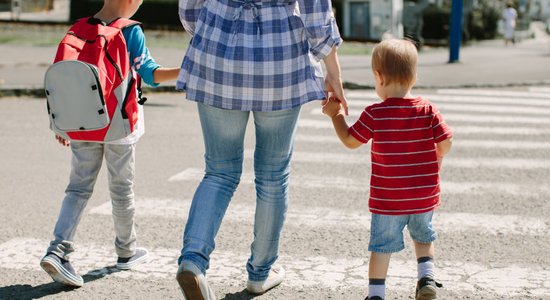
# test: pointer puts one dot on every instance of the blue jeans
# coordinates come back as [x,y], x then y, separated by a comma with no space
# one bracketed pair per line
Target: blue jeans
[224,132]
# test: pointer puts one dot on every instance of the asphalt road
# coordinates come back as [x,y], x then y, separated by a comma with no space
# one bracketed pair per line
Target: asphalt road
[493,224]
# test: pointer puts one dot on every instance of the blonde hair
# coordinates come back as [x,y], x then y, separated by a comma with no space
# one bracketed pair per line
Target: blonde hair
[396,60]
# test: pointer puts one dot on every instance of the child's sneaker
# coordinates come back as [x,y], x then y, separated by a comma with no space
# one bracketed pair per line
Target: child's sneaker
[193,283]
[126,263]
[275,277]
[61,270]
[374,298]
[426,288]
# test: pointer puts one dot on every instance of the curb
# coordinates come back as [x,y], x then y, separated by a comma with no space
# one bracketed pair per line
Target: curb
[38,92]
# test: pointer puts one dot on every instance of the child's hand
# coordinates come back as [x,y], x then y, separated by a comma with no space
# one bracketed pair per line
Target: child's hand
[62,141]
[332,107]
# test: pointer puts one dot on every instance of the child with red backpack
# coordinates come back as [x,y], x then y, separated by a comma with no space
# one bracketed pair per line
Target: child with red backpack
[98,68]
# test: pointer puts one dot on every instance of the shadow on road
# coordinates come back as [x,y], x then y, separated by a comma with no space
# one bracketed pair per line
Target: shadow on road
[27,291]
[242,295]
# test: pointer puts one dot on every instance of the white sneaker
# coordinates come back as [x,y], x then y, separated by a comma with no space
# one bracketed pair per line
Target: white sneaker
[275,277]
[193,283]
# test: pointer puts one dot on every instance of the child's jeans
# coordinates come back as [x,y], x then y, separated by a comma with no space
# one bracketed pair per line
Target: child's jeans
[86,162]
[224,132]
[386,233]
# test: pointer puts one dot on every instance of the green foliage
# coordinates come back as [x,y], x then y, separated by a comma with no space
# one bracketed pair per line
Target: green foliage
[152,13]
[436,23]
[483,22]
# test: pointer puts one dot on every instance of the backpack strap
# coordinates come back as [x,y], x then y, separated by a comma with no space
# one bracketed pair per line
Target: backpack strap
[123,23]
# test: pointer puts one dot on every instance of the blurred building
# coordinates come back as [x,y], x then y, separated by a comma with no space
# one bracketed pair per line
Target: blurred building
[369,20]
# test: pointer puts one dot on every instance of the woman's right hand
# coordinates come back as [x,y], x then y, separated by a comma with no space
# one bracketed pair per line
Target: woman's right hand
[334,88]
[335,91]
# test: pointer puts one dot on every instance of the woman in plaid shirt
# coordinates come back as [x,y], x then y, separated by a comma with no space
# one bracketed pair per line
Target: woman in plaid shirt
[259,57]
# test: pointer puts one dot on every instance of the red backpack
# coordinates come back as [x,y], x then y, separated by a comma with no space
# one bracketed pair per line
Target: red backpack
[91,90]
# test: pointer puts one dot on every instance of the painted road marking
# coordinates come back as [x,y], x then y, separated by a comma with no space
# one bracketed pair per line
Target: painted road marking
[351,184]
[474,108]
[228,268]
[318,217]
[454,162]
[457,143]
[466,129]
[540,90]
[496,93]
[439,99]
[457,117]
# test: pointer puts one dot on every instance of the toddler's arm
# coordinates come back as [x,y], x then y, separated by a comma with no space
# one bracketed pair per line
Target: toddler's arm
[442,148]
[333,109]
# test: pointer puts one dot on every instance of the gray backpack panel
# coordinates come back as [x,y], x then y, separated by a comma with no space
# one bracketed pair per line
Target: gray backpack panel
[73,91]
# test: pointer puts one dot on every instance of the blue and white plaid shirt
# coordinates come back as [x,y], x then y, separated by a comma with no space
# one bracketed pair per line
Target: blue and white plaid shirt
[256,55]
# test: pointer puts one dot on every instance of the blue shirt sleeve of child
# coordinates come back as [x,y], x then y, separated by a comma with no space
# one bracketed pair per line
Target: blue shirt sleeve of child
[140,58]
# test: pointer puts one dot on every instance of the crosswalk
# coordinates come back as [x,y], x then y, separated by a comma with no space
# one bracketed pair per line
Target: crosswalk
[495,183]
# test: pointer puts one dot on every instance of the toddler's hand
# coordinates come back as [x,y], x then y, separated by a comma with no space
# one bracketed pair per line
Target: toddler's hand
[62,141]
[332,107]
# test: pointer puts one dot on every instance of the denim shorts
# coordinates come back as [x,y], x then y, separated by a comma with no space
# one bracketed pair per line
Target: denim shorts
[386,234]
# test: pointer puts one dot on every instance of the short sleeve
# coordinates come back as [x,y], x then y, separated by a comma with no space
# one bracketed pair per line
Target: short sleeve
[441,131]
[363,128]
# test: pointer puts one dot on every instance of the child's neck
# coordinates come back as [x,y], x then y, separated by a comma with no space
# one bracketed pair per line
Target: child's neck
[109,13]
[397,91]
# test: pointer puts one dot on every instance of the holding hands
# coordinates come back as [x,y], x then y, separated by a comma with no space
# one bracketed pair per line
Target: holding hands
[333,82]
[332,107]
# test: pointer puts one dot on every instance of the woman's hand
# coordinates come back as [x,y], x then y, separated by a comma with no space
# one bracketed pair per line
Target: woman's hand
[334,88]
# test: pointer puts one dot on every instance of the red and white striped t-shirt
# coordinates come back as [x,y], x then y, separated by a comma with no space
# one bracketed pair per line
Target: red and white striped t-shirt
[405,173]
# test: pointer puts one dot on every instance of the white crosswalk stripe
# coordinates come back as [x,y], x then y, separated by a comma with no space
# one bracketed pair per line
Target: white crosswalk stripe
[467,129]
[457,143]
[441,99]
[452,162]
[469,107]
[353,184]
[319,217]
[498,93]
[467,117]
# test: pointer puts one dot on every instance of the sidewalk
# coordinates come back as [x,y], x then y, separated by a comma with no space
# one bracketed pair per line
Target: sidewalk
[481,64]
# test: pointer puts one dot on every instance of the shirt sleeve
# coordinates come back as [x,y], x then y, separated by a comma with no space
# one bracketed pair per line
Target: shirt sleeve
[140,58]
[363,128]
[441,130]
[189,11]
[320,25]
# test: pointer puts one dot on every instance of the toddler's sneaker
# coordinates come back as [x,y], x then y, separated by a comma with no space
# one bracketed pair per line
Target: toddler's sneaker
[374,298]
[60,270]
[275,277]
[426,288]
[193,283]
[126,263]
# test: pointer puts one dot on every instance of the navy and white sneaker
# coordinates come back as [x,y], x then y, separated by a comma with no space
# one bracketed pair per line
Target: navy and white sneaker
[126,263]
[61,270]
[426,288]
